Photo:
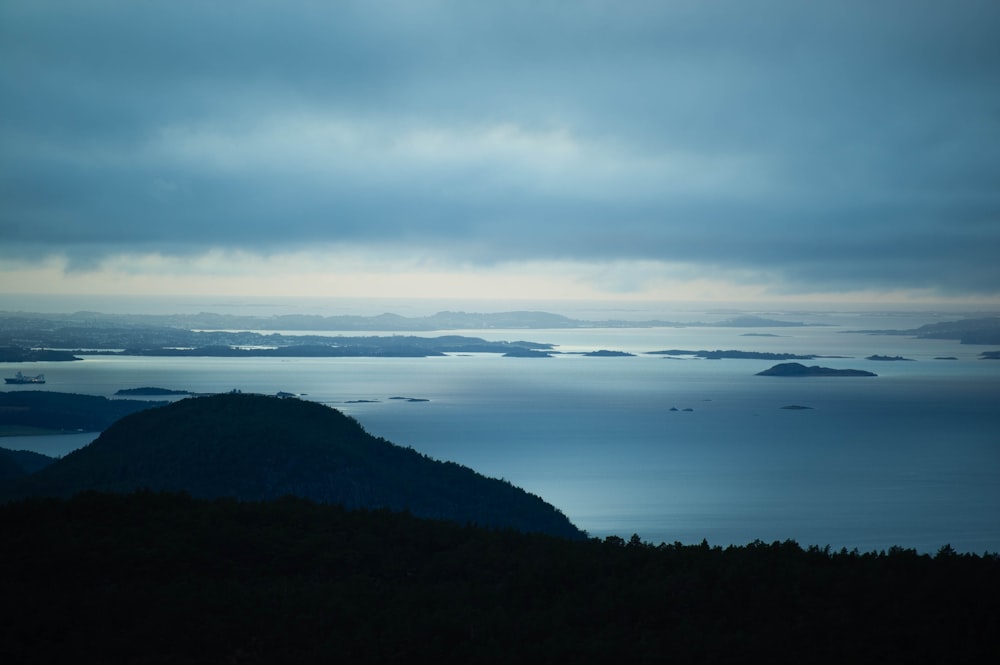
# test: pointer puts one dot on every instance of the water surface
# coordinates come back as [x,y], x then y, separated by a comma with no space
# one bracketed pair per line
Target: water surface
[908,458]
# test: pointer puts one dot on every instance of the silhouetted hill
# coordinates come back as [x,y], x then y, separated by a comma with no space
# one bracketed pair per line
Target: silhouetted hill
[254,447]
[17,463]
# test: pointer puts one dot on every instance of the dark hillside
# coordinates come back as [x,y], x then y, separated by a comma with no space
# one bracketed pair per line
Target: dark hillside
[164,578]
[17,463]
[253,447]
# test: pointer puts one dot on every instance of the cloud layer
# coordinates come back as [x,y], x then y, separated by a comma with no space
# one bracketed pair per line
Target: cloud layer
[823,146]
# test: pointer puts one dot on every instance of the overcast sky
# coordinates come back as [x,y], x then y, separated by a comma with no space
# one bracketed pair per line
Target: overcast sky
[717,148]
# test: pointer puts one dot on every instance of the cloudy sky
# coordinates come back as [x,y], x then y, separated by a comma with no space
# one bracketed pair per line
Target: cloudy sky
[676,149]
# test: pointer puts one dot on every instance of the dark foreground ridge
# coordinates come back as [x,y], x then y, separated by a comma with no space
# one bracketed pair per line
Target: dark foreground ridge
[255,448]
[165,578]
[17,463]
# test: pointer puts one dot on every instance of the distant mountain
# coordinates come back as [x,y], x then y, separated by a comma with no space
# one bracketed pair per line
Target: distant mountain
[253,447]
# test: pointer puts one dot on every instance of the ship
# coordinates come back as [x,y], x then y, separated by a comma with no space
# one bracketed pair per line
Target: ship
[21,379]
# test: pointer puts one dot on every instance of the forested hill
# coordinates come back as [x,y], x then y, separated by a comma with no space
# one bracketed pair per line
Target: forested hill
[165,578]
[17,463]
[253,447]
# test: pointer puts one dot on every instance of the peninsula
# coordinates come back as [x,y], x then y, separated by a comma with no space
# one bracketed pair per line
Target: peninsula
[984,330]
[260,448]
[47,412]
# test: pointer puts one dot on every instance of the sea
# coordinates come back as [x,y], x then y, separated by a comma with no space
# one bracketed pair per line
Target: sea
[674,449]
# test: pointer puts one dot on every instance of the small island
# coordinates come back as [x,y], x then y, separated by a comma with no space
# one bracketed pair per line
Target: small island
[605,353]
[888,358]
[149,390]
[798,369]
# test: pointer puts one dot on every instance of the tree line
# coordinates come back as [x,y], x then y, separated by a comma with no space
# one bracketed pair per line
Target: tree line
[154,577]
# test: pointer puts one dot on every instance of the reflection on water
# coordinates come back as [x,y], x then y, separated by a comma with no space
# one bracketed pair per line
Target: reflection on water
[908,458]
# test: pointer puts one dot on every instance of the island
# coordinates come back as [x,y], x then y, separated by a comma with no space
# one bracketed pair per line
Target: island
[798,369]
[732,353]
[888,358]
[148,390]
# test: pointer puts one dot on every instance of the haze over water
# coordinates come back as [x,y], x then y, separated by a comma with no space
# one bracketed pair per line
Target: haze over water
[672,449]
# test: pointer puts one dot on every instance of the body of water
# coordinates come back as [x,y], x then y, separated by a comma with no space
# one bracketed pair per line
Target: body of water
[671,449]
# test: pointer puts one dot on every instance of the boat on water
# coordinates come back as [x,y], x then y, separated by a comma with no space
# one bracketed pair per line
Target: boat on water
[21,379]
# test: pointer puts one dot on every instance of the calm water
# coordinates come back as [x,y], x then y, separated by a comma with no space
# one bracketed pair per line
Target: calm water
[909,458]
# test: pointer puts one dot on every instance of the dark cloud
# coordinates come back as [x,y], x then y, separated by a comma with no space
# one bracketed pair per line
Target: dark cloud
[840,145]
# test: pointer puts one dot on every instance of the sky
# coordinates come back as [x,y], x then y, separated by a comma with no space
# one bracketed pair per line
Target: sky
[721,150]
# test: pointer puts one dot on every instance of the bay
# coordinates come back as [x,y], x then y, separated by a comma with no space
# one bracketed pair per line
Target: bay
[909,458]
